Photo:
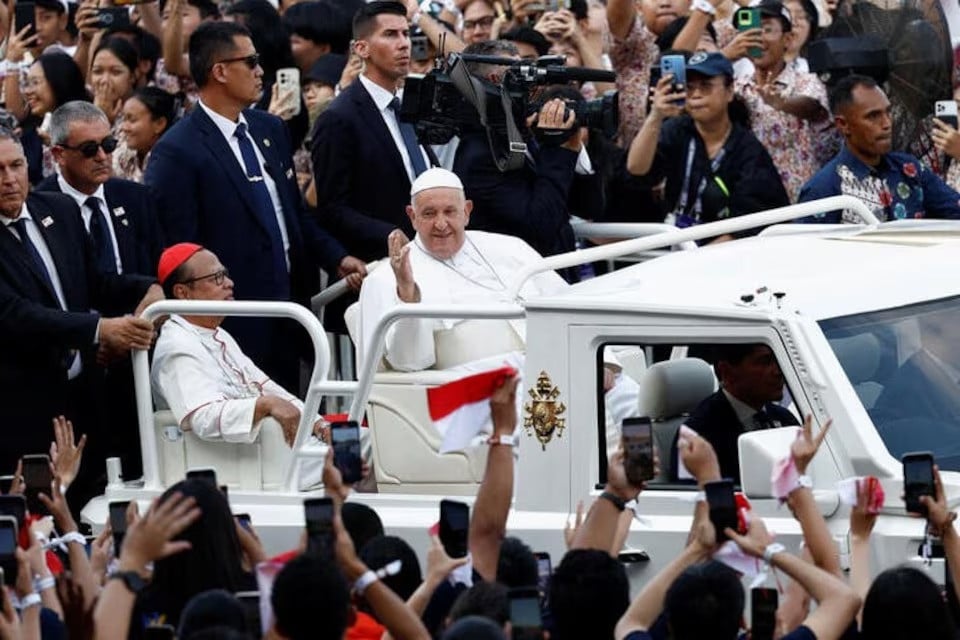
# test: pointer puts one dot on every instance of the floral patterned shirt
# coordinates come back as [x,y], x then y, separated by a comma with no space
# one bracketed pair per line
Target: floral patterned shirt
[175,84]
[899,187]
[127,165]
[790,140]
[632,59]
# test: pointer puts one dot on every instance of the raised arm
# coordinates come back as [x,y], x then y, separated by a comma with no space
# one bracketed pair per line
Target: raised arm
[643,149]
[599,529]
[488,523]
[620,17]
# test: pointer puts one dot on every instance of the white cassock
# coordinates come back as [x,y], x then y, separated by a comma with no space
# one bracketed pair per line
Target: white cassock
[208,383]
[480,273]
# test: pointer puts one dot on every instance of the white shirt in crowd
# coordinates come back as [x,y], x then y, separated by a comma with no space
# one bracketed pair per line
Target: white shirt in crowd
[480,273]
[208,383]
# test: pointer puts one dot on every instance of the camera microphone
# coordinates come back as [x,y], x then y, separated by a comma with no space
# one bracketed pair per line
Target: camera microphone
[556,74]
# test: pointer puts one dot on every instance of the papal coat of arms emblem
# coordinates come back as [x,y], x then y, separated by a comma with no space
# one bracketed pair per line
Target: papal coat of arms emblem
[543,411]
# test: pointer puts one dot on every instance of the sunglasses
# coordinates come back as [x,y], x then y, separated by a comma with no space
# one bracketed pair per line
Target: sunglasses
[251,60]
[90,148]
[218,277]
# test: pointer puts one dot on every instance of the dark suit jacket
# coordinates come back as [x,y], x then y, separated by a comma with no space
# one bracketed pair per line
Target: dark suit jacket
[528,203]
[205,197]
[36,335]
[133,210]
[715,420]
[362,186]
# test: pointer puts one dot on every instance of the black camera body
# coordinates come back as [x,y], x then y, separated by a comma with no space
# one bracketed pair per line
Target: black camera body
[449,101]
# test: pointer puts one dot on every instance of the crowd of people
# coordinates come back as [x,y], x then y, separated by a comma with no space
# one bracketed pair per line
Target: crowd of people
[187,149]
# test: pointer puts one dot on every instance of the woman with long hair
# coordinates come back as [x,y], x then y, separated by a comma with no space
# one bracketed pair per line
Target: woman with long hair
[147,115]
[114,74]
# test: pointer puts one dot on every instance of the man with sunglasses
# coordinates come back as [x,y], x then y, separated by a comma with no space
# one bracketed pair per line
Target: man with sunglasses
[199,371]
[120,218]
[225,178]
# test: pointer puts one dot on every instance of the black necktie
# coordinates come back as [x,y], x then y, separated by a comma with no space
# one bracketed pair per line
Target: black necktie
[409,135]
[20,224]
[100,235]
[762,420]
[263,203]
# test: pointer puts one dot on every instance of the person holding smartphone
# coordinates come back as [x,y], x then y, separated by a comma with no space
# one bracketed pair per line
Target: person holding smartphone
[715,168]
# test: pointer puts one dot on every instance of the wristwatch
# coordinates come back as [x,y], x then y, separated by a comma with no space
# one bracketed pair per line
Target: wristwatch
[772,549]
[705,6]
[131,580]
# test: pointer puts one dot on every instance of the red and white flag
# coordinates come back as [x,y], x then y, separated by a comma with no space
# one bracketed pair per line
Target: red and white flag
[460,410]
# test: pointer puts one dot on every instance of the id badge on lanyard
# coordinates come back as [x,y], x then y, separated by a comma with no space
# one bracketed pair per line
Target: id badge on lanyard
[681,217]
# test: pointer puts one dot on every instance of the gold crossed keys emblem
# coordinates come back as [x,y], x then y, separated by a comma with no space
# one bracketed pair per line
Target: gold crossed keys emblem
[543,411]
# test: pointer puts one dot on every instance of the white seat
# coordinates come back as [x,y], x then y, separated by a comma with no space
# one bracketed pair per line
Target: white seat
[669,392]
[256,466]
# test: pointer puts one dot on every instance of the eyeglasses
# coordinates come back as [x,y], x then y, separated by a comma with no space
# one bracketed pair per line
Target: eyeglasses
[90,148]
[479,22]
[217,276]
[251,60]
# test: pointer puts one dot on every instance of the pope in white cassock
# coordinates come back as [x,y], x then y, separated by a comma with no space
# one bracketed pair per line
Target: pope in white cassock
[199,371]
[446,264]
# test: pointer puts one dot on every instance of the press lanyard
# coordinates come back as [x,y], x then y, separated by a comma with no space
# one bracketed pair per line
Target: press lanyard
[685,192]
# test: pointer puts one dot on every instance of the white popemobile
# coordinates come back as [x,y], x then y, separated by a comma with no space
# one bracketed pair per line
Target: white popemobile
[855,315]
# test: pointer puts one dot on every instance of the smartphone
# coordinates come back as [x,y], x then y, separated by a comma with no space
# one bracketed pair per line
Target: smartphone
[345,437]
[454,525]
[9,533]
[723,506]
[637,436]
[917,480]
[118,523]
[6,484]
[525,615]
[24,16]
[763,613]
[419,48]
[675,65]
[108,17]
[206,474]
[225,490]
[318,513]
[37,479]
[946,111]
[159,632]
[288,87]
[747,18]
[245,520]
[544,571]
[15,507]
[251,610]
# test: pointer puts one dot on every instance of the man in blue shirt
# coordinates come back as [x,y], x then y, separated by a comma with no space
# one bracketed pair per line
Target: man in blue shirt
[895,186]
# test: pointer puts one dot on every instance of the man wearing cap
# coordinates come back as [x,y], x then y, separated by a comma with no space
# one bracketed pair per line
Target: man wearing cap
[320,82]
[224,177]
[715,168]
[199,372]
[49,336]
[445,264]
[786,106]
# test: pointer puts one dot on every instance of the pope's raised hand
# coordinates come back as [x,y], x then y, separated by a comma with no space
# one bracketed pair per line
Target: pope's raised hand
[398,250]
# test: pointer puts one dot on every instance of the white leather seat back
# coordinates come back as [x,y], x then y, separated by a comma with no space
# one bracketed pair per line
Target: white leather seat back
[474,340]
[669,392]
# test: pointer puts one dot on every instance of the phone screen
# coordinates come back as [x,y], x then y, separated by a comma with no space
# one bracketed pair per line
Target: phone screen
[917,480]
[544,571]
[118,524]
[15,507]
[723,506]
[8,548]
[763,613]
[637,436]
[244,520]
[24,16]
[207,475]
[345,437]
[37,479]
[251,609]
[318,514]
[525,615]
[6,483]
[454,525]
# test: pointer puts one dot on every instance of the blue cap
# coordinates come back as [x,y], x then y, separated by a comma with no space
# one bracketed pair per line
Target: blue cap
[709,64]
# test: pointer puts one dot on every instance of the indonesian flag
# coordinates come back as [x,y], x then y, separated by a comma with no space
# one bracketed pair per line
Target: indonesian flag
[460,410]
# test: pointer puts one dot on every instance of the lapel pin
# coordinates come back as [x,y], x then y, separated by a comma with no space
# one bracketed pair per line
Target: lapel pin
[46,222]
[125,222]
[289,173]
[266,142]
[119,211]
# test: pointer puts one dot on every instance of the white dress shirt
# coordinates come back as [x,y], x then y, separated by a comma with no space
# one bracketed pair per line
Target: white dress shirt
[479,273]
[382,98]
[208,383]
[228,128]
[87,213]
[37,239]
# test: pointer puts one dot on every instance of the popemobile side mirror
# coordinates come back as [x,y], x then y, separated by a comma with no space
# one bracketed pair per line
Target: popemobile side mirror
[760,451]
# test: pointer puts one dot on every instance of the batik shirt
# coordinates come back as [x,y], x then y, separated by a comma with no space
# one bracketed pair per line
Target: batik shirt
[789,140]
[900,187]
[632,58]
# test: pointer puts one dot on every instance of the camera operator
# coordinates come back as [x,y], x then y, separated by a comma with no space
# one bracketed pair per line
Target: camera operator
[530,202]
